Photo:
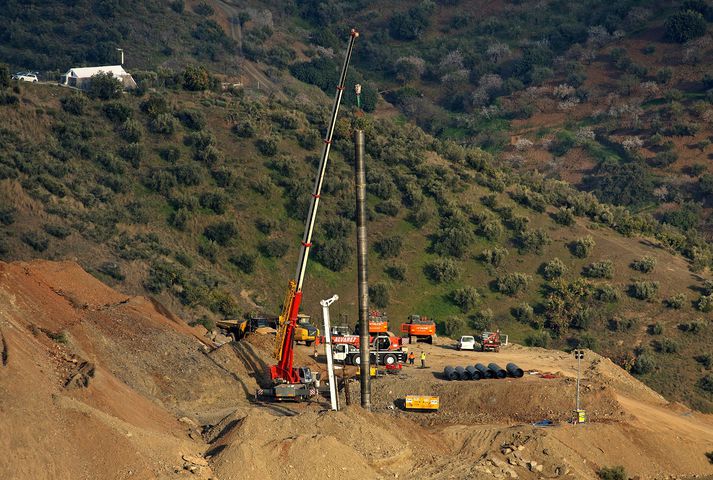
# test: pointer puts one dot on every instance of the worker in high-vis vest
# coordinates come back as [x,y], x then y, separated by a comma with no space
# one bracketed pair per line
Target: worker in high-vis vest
[423,359]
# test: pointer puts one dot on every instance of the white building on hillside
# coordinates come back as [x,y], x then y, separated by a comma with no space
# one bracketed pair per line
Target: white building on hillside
[81,77]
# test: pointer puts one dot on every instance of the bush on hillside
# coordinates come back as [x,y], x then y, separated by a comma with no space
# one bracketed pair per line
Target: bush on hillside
[533,241]
[74,104]
[273,248]
[105,86]
[706,383]
[553,269]
[334,254]
[37,240]
[163,124]
[564,216]
[539,339]
[644,290]
[666,345]
[513,283]
[244,261]
[481,320]
[612,473]
[582,247]
[602,269]
[396,272]
[196,78]
[644,265]
[454,326]
[379,295]
[267,146]
[130,131]
[644,363]
[685,25]
[221,233]
[465,298]
[442,270]
[523,313]
[389,247]
[676,302]
[493,257]
[705,303]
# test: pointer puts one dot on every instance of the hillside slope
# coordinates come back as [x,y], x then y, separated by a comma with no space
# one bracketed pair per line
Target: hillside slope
[92,384]
[199,198]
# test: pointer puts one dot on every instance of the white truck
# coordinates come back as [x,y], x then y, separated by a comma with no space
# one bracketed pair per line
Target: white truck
[383,351]
[466,342]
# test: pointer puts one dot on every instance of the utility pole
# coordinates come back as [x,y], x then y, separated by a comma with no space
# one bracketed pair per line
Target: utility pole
[328,350]
[580,416]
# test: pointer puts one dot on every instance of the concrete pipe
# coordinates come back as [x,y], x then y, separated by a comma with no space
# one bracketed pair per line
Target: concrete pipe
[462,374]
[484,372]
[497,371]
[473,372]
[450,373]
[514,371]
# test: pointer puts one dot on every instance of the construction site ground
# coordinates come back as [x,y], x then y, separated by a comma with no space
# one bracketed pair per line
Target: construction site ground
[95,384]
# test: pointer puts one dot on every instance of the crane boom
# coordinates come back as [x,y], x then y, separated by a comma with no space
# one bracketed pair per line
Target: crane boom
[284,370]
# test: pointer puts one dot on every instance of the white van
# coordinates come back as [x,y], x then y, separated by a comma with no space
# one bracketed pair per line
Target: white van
[466,342]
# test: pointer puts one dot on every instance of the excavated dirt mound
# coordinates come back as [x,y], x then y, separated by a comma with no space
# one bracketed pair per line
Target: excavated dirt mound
[93,382]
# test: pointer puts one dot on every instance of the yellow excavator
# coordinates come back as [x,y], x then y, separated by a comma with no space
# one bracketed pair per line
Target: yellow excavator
[305,331]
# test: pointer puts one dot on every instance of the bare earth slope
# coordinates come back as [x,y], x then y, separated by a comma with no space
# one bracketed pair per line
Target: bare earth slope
[92,384]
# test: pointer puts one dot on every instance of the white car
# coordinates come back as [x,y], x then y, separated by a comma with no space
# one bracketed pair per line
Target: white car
[466,342]
[25,77]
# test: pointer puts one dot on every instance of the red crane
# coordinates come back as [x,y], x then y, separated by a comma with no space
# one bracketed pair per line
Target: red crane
[291,381]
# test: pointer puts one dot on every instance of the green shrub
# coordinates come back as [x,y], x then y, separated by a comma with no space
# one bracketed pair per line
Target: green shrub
[602,269]
[104,86]
[267,146]
[191,119]
[117,112]
[132,153]
[273,248]
[685,25]
[58,231]
[244,129]
[7,215]
[481,319]
[587,341]
[493,256]
[419,217]
[334,254]
[74,104]
[130,131]
[244,261]
[612,473]
[539,339]
[162,275]
[644,265]
[442,270]
[676,302]
[387,207]
[196,77]
[553,269]
[666,345]
[564,216]
[179,219]
[396,272]
[37,240]
[708,287]
[208,250]
[644,363]
[655,329]
[706,360]
[523,313]
[621,324]
[454,326]
[379,295]
[221,233]
[513,283]
[607,293]
[465,298]
[533,241]
[705,303]
[214,201]
[389,247]
[163,124]
[706,384]
[582,247]
[644,290]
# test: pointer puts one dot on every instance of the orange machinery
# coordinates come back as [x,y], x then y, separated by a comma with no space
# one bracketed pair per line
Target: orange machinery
[423,328]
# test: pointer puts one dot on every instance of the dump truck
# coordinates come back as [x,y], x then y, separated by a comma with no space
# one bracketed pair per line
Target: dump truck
[490,341]
[420,327]
[305,331]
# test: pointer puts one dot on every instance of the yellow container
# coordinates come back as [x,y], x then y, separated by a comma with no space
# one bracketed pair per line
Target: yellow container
[372,370]
[422,402]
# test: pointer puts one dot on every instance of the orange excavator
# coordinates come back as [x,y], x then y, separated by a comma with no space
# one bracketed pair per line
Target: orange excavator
[290,382]
[420,327]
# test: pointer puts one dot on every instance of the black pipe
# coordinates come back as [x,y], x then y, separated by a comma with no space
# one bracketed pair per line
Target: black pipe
[450,373]
[462,374]
[473,372]
[514,370]
[498,372]
[484,372]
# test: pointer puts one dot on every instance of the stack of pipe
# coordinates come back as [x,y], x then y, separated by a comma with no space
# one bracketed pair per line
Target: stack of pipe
[480,371]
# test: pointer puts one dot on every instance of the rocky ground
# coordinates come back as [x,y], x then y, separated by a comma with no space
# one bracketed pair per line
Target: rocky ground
[95,384]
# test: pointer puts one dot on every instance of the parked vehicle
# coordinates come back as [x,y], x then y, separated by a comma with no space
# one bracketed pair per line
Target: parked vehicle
[423,328]
[466,342]
[25,77]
